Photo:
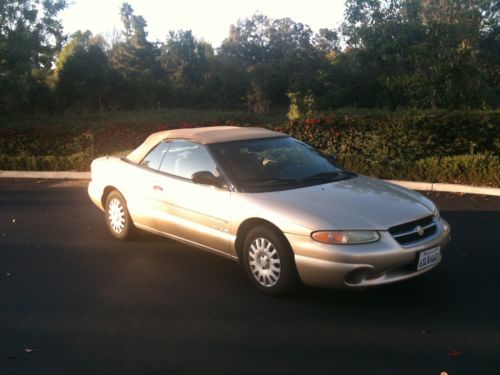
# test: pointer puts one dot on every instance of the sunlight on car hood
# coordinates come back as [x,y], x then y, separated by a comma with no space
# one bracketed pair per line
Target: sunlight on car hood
[357,203]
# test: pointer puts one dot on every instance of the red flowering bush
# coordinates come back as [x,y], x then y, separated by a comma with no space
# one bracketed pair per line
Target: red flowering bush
[460,146]
[58,148]
[408,145]
[400,136]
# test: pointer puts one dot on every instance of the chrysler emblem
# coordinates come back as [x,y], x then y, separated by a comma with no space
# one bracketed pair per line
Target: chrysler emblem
[419,230]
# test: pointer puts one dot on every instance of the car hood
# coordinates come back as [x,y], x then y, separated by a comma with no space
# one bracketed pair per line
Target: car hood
[357,203]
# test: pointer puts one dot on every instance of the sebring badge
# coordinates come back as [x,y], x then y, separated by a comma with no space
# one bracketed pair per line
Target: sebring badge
[419,230]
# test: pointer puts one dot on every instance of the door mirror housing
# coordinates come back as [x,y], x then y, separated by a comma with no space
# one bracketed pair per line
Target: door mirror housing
[206,178]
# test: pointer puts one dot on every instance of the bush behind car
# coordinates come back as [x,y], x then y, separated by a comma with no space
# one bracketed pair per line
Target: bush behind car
[438,146]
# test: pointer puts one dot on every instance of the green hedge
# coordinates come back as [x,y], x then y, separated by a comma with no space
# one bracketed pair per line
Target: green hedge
[478,169]
[76,162]
[408,135]
[437,146]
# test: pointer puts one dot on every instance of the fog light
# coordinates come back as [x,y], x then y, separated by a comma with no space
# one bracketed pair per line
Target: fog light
[358,276]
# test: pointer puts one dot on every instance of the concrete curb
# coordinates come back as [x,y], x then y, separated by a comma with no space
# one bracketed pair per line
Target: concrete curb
[447,188]
[63,175]
[422,186]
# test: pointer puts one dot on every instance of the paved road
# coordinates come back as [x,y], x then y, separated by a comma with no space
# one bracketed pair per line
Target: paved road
[88,304]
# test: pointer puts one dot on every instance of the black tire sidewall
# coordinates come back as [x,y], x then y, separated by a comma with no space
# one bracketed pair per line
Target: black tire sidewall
[288,280]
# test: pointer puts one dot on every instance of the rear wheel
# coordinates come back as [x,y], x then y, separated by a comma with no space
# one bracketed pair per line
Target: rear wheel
[117,217]
[268,261]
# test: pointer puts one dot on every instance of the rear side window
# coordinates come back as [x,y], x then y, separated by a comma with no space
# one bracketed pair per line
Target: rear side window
[184,158]
[154,158]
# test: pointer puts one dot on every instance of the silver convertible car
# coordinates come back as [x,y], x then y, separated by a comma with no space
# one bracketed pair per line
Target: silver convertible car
[282,209]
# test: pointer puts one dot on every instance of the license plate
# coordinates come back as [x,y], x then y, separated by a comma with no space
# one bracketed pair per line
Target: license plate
[428,257]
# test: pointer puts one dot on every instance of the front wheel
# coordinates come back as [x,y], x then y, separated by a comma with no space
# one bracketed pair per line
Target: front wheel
[268,262]
[117,217]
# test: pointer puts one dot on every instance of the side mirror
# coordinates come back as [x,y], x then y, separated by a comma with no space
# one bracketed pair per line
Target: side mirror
[206,178]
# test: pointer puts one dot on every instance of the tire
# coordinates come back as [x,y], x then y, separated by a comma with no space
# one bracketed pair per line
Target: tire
[118,219]
[268,262]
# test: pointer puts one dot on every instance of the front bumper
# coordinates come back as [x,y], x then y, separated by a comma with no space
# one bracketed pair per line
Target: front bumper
[95,191]
[360,266]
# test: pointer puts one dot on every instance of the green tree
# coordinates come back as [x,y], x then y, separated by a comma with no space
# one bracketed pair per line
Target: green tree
[82,72]
[136,73]
[186,61]
[327,41]
[423,53]
[276,56]
[226,84]
[30,36]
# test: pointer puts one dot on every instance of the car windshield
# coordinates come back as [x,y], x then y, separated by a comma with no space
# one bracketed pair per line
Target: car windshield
[271,164]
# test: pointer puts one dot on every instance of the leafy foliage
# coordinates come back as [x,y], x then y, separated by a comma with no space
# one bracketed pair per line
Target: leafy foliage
[437,59]
[386,54]
[186,61]
[400,135]
[424,54]
[23,138]
[82,72]
[457,147]
[410,144]
[135,80]
[30,36]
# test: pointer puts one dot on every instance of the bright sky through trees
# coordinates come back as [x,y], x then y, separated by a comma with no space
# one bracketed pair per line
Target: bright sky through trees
[208,19]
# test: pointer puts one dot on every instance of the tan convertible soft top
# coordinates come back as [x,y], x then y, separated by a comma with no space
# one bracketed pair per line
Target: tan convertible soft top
[206,135]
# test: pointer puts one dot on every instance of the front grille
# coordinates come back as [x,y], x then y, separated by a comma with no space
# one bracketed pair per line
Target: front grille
[407,233]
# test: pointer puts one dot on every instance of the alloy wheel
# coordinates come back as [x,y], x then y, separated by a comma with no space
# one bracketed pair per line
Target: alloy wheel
[116,215]
[264,262]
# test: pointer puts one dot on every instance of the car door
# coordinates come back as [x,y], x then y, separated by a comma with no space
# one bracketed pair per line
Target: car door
[138,187]
[190,211]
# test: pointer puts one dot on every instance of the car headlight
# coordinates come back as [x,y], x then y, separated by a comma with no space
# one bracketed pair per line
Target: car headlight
[345,237]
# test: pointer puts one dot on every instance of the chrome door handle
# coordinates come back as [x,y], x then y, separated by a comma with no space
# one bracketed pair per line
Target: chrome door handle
[157,188]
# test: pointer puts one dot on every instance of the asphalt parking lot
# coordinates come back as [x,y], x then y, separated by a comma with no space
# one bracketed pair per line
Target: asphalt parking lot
[75,301]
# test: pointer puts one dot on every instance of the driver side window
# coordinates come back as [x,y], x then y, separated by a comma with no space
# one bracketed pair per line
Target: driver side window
[183,158]
[154,158]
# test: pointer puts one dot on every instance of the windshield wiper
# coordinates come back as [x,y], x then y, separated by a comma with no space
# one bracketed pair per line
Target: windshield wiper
[321,176]
[329,176]
[267,180]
